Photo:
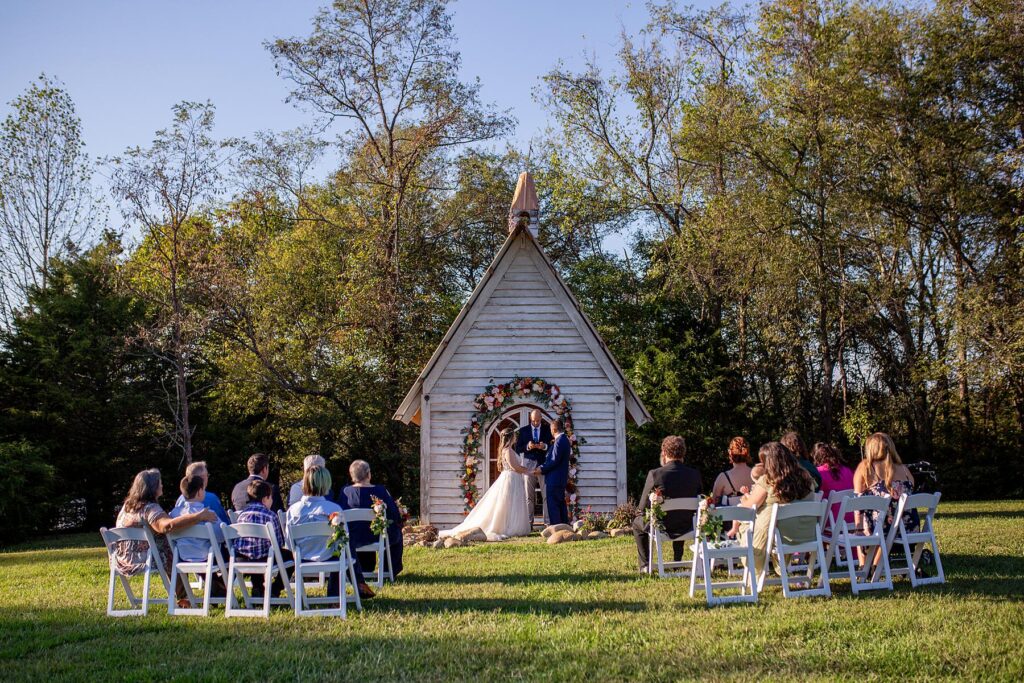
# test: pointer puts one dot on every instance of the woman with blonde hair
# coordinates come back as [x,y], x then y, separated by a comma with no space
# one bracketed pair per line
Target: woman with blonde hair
[882,473]
[504,510]
[737,480]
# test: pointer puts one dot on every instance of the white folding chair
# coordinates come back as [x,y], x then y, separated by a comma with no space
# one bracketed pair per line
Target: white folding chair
[781,552]
[233,516]
[204,569]
[153,565]
[239,568]
[381,548]
[848,536]
[829,527]
[705,555]
[818,495]
[658,539]
[282,517]
[914,542]
[343,565]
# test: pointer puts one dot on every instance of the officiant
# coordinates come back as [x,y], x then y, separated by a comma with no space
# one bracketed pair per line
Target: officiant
[532,443]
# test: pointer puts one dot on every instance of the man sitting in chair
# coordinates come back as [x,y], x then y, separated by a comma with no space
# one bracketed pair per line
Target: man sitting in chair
[675,480]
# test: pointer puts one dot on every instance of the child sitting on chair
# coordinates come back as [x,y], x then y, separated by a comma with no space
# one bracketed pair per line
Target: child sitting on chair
[261,497]
[193,490]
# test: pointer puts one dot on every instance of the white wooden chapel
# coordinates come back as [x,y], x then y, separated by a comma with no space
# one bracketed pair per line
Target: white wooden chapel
[521,320]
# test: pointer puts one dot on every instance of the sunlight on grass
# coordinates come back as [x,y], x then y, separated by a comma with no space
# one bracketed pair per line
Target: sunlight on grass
[526,610]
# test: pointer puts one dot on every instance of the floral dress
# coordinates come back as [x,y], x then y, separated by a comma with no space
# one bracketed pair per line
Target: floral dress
[868,520]
[130,556]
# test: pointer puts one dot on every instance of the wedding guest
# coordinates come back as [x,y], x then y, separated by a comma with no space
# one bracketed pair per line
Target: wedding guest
[360,496]
[193,491]
[735,481]
[795,444]
[295,493]
[835,475]
[259,468]
[315,507]
[676,480]
[784,481]
[210,500]
[258,511]
[141,507]
[882,473]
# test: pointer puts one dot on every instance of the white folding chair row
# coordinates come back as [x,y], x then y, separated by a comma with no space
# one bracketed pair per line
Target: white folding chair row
[233,516]
[382,548]
[781,552]
[658,541]
[239,568]
[343,565]
[204,570]
[705,555]
[153,565]
[848,537]
[913,542]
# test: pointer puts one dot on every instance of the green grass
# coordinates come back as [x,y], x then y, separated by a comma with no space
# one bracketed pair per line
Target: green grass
[528,611]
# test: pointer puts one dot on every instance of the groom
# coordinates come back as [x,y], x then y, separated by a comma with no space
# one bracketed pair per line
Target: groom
[555,469]
[532,443]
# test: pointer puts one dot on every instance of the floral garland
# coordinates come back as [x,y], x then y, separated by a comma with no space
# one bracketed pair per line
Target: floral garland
[489,406]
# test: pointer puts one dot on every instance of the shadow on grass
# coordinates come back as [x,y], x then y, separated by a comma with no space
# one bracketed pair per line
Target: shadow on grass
[979,514]
[507,605]
[58,542]
[518,579]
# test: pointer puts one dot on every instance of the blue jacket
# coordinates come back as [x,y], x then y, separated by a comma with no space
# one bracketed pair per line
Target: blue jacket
[555,467]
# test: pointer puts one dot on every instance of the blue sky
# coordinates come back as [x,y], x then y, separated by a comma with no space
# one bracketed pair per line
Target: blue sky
[125,63]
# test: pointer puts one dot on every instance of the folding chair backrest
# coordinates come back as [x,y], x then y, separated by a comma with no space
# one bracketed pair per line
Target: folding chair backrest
[203,531]
[282,517]
[676,504]
[818,495]
[122,533]
[300,532]
[736,513]
[233,516]
[359,515]
[800,509]
[865,504]
[837,497]
[927,502]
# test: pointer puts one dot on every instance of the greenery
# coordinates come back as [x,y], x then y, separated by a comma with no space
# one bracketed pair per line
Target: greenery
[534,611]
[820,202]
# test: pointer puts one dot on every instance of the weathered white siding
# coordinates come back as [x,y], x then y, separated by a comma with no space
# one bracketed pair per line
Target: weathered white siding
[522,325]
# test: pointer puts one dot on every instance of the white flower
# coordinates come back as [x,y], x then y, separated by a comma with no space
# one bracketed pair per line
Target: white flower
[656,498]
[572,498]
[572,471]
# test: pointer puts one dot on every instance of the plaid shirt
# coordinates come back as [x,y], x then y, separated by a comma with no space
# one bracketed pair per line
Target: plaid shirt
[257,548]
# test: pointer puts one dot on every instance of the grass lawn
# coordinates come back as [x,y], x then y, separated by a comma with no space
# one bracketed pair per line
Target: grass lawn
[528,611]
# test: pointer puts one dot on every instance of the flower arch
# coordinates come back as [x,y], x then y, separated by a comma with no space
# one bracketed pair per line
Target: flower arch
[495,399]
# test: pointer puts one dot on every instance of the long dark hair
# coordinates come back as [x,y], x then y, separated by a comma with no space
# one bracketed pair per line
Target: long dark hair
[827,454]
[143,490]
[792,441]
[784,474]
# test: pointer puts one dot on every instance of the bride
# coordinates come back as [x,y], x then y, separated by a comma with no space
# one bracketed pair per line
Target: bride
[503,511]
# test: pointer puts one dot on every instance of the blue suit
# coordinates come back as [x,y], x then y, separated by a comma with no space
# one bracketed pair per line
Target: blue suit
[555,469]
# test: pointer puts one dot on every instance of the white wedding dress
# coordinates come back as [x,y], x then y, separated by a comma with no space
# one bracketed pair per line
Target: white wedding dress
[503,511]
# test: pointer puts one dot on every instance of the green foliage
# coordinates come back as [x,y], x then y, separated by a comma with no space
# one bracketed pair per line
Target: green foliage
[26,490]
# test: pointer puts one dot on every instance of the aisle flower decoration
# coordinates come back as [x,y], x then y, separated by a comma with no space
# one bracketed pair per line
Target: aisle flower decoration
[709,523]
[339,539]
[379,525]
[655,513]
[403,510]
[489,405]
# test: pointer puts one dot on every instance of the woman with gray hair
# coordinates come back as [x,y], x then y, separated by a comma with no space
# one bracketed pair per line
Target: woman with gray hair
[360,495]
[310,461]
[141,507]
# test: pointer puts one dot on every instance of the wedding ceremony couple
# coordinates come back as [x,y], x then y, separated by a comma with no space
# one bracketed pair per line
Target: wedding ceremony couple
[536,451]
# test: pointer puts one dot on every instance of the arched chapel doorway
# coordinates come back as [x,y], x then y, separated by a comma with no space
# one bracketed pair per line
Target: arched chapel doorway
[514,417]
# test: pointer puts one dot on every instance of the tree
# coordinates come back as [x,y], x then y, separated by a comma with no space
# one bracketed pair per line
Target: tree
[162,189]
[80,401]
[46,203]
